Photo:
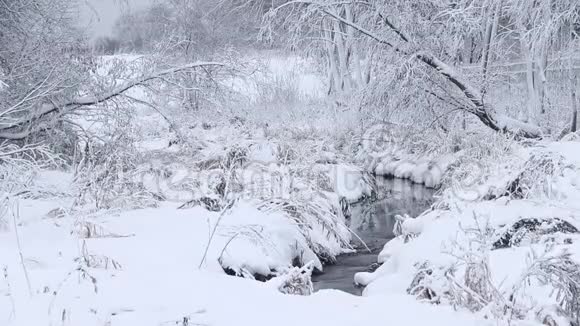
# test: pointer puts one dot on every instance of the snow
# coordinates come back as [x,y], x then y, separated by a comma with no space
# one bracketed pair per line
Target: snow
[349,182]
[152,145]
[263,152]
[423,170]
[308,81]
[207,299]
[155,278]
[508,123]
[281,71]
[54,181]
[166,266]
[457,227]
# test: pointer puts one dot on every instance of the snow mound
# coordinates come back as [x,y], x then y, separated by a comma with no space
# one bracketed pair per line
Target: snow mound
[425,171]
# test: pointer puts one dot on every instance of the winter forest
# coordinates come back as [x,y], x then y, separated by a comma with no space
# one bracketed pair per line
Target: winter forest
[290,162]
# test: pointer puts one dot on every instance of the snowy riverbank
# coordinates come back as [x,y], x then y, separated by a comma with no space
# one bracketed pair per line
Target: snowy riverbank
[505,247]
[142,267]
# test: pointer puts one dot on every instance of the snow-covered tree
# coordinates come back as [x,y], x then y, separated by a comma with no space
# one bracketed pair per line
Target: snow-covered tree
[49,73]
[43,60]
[428,43]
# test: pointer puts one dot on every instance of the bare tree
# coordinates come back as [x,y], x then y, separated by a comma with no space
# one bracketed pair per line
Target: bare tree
[427,39]
[573,100]
[42,57]
[49,72]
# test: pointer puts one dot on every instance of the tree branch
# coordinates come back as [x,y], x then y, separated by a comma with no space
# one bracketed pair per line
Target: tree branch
[48,108]
[483,112]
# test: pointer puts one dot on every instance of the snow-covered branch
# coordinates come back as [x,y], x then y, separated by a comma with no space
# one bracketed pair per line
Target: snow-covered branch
[8,131]
[484,112]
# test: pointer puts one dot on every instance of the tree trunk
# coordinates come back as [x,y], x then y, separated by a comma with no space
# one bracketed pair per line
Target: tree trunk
[527,51]
[541,86]
[486,45]
[490,31]
[333,74]
[352,45]
[342,58]
[532,95]
[484,113]
[573,127]
[573,86]
[368,67]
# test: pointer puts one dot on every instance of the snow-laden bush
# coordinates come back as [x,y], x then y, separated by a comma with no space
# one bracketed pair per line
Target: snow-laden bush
[532,230]
[313,196]
[107,178]
[278,175]
[463,283]
[535,178]
[548,172]
[279,90]
[549,285]
[507,253]
[306,200]
[430,284]
[561,273]
[297,280]
[20,164]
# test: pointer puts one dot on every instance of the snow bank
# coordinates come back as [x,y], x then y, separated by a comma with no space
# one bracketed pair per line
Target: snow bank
[144,271]
[157,266]
[349,181]
[419,170]
[443,243]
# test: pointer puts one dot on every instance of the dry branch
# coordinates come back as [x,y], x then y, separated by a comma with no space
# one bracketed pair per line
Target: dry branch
[25,129]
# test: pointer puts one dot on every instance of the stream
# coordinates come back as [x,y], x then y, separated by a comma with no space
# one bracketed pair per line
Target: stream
[373,221]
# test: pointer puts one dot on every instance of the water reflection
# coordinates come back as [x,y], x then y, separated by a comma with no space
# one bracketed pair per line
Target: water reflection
[373,221]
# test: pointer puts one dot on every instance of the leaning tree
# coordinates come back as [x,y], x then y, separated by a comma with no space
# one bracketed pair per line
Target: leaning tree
[453,52]
[48,73]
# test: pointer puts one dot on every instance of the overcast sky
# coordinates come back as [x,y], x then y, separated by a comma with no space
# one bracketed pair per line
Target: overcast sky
[100,15]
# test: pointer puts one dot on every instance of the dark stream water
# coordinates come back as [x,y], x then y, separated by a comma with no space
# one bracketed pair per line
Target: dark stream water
[373,221]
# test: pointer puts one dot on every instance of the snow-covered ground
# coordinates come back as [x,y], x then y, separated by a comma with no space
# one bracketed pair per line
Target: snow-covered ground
[142,267]
[77,255]
[500,246]
[197,201]
[278,70]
